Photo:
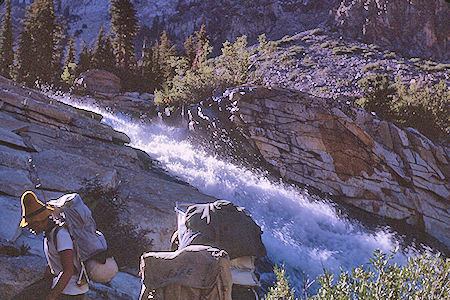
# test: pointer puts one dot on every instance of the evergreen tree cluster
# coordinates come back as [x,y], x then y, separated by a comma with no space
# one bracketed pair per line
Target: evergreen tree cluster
[43,55]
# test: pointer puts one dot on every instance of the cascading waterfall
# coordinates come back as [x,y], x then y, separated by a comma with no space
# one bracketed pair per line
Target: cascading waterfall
[303,233]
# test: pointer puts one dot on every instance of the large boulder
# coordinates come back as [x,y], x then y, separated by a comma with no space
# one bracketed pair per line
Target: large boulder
[98,81]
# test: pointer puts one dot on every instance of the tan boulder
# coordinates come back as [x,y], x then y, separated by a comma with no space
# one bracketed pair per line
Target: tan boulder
[98,81]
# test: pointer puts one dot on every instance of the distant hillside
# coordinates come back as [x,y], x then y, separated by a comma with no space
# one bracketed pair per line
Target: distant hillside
[416,28]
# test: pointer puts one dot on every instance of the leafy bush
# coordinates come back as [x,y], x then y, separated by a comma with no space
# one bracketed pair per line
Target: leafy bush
[317,31]
[369,54]
[425,108]
[236,65]
[125,241]
[423,277]
[390,55]
[282,288]
[345,50]
[430,66]
[371,67]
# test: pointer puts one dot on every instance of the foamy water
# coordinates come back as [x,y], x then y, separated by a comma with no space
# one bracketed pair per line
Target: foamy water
[305,235]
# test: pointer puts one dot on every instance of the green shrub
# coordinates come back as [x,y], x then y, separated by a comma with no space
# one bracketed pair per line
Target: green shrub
[391,55]
[282,288]
[125,241]
[317,31]
[431,66]
[375,47]
[331,44]
[423,277]
[236,65]
[369,54]
[371,67]
[345,50]
[286,40]
[425,108]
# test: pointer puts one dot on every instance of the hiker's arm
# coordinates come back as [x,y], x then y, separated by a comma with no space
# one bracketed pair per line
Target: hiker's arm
[67,263]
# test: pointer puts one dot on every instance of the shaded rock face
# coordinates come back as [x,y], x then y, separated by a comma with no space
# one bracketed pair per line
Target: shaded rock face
[68,147]
[418,28]
[98,81]
[347,152]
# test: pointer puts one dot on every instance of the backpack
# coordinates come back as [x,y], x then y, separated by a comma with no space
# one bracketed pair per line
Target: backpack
[89,244]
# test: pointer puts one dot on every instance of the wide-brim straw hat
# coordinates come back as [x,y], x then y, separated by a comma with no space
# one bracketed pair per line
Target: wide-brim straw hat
[33,209]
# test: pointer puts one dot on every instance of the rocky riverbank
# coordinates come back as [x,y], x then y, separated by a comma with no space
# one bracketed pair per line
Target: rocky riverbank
[69,146]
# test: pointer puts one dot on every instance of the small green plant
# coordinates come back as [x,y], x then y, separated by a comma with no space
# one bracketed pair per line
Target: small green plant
[390,55]
[374,47]
[286,40]
[307,62]
[317,31]
[369,54]
[371,67]
[282,289]
[431,66]
[339,50]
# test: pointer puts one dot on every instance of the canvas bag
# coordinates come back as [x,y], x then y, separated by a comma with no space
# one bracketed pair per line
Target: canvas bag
[196,272]
[88,241]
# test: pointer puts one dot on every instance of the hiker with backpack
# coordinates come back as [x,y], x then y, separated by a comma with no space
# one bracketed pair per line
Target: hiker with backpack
[76,251]
[59,251]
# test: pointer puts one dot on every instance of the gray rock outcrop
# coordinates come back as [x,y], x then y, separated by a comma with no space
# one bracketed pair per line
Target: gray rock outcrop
[349,153]
[418,28]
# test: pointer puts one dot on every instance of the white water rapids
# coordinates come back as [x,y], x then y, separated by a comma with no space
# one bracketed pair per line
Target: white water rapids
[304,235]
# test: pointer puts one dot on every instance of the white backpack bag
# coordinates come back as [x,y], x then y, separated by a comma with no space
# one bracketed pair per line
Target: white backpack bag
[89,243]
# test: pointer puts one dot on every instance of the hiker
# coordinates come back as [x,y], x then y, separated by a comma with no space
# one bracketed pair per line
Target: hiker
[60,254]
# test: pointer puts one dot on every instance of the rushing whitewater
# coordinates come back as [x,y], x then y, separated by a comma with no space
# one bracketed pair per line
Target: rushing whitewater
[300,232]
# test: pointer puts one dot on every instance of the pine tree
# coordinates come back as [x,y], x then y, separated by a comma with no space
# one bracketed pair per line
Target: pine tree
[147,68]
[40,35]
[24,72]
[71,51]
[124,29]
[163,52]
[69,73]
[7,43]
[103,54]
[84,60]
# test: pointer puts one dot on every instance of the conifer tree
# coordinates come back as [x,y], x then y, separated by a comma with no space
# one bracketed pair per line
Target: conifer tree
[163,52]
[71,52]
[7,43]
[24,72]
[124,26]
[103,55]
[69,73]
[40,35]
[59,50]
[147,67]
[84,60]
[197,47]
